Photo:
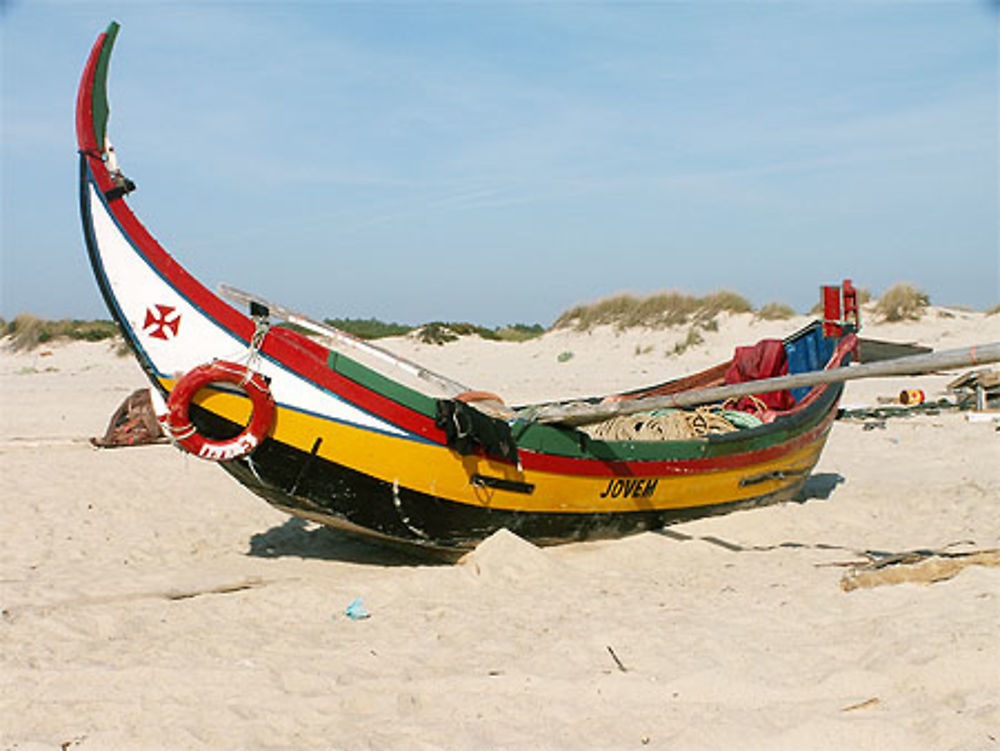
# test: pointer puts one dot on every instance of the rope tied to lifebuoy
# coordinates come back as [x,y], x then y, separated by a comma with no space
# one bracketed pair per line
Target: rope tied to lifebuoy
[184,432]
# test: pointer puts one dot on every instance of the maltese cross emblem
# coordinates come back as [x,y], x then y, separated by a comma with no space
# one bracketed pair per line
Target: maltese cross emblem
[162,322]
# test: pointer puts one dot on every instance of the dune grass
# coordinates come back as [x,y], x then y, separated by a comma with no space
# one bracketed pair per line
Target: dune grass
[693,339]
[27,331]
[727,301]
[659,310]
[519,332]
[994,310]
[776,311]
[902,302]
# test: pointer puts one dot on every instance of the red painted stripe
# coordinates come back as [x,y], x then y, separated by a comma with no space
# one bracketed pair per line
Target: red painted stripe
[85,101]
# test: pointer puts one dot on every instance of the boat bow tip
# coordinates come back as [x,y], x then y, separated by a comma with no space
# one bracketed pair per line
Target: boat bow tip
[92,98]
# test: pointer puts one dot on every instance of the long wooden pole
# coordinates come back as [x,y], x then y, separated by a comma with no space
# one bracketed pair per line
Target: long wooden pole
[583,414]
[342,338]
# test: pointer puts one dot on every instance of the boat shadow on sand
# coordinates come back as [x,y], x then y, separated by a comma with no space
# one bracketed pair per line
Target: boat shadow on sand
[819,487]
[297,538]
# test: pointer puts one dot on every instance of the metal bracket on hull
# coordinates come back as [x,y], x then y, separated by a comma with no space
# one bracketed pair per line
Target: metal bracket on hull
[499,483]
[305,466]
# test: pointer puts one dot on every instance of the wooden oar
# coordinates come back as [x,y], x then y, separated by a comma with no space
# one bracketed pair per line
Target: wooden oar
[584,414]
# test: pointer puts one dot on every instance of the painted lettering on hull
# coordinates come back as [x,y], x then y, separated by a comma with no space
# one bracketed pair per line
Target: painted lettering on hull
[630,488]
[244,444]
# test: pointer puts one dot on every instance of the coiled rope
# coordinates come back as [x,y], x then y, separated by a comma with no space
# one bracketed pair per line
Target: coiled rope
[672,424]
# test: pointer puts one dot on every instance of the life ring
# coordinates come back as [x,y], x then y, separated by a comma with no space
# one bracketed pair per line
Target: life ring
[184,433]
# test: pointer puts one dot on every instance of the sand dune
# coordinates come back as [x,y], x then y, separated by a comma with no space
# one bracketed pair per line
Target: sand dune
[149,602]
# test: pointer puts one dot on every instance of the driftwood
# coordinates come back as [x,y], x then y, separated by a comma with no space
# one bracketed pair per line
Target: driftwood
[918,567]
[585,413]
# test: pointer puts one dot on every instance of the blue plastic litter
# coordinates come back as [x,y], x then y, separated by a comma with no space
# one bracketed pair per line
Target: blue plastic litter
[356,611]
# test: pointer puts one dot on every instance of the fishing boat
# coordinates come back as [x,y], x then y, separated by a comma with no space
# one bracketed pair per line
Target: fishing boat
[339,431]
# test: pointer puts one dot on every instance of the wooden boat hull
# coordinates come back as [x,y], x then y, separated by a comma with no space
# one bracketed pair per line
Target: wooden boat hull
[360,488]
[352,448]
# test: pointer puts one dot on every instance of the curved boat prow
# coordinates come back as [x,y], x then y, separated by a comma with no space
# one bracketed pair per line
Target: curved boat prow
[162,311]
[356,447]
[92,96]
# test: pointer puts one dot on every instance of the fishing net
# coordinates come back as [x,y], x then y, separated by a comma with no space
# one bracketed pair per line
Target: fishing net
[671,424]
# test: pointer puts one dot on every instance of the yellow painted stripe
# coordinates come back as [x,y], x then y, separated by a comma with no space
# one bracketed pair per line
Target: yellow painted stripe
[439,471]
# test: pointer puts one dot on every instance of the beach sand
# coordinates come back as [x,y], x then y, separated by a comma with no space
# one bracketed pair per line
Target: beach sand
[149,602]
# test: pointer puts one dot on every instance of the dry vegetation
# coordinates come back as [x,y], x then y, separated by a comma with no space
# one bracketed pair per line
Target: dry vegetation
[776,311]
[658,310]
[26,331]
[693,339]
[902,302]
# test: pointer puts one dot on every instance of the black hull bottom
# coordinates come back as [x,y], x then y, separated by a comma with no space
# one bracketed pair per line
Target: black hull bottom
[312,488]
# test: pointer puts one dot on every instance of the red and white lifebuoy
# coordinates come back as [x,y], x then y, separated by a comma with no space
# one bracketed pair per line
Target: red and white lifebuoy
[178,422]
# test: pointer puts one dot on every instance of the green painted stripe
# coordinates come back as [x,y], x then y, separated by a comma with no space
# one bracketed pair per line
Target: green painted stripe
[571,443]
[99,98]
[381,385]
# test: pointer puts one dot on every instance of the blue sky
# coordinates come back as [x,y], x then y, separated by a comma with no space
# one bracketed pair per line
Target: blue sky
[500,162]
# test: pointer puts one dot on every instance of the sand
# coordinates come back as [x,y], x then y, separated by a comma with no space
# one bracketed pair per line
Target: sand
[149,602]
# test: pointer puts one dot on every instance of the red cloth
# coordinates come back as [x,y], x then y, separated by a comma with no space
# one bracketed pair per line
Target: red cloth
[765,359]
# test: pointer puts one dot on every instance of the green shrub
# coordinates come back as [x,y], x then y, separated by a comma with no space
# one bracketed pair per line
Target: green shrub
[436,333]
[368,328]
[372,328]
[470,329]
